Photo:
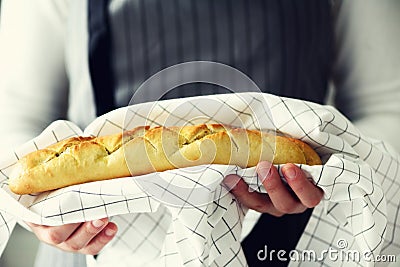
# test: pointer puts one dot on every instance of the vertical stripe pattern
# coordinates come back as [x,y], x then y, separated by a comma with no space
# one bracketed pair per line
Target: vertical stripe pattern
[283,45]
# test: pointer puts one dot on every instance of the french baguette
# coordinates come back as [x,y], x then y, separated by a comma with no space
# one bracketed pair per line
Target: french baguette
[145,150]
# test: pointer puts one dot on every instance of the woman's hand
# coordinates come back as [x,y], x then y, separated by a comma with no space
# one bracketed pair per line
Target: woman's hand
[279,200]
[86,238]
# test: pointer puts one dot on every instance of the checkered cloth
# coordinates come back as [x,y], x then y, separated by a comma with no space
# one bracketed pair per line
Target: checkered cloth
[185,217]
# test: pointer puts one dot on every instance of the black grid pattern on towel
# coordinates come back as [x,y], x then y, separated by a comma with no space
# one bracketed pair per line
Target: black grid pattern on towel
[351,161]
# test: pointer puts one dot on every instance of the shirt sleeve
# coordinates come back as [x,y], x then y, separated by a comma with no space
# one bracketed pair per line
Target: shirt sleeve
[367,69]
[33,84]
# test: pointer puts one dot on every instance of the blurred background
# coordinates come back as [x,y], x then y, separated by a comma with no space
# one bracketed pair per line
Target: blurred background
[22,247]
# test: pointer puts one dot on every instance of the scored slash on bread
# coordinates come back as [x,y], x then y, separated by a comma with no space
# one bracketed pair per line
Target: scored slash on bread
[145,150]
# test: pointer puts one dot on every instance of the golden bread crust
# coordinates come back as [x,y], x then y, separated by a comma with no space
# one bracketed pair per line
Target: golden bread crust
[145,150]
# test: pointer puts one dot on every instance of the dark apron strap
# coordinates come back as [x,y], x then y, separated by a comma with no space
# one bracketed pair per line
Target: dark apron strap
[100,56]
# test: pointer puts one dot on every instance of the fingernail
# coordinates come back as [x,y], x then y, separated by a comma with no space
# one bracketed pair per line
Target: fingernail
[98,223]
[264,172]
[290,173]
[110,232]
[230,181]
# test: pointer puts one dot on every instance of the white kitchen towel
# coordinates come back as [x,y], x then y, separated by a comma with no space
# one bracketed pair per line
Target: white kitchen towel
[184,217]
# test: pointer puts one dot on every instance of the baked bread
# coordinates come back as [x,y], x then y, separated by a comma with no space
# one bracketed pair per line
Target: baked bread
[145,150]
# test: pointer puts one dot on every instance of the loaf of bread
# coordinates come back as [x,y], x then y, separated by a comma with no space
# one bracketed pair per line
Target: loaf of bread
[145,150]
